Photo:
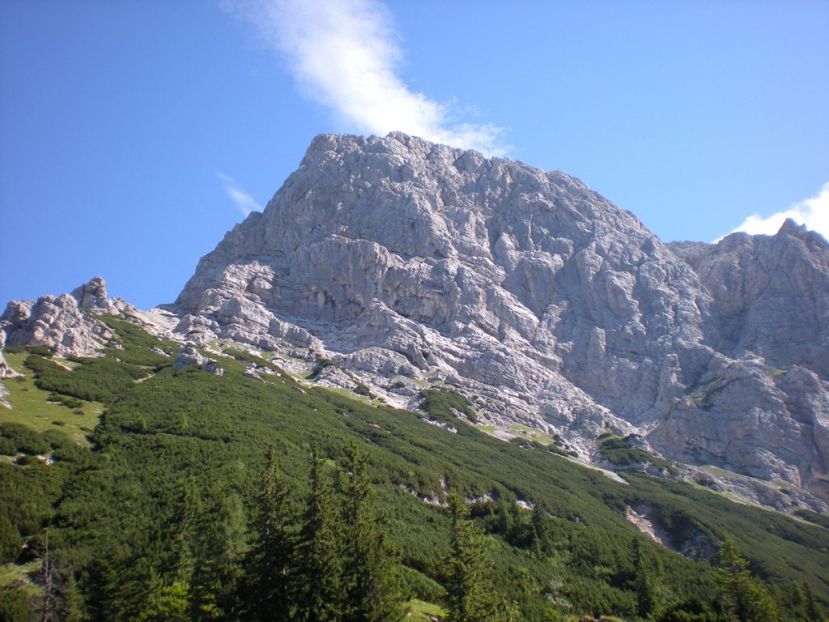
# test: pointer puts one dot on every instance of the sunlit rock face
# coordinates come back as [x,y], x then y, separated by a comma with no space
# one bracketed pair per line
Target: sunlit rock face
[408,263]
[403,259]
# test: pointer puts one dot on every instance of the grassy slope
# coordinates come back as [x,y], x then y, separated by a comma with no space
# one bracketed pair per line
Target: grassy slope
[190,426]
[31,406]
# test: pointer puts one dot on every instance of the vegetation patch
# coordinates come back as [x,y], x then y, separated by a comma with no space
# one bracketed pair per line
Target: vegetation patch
[621,452]
[442,405]
[39,409]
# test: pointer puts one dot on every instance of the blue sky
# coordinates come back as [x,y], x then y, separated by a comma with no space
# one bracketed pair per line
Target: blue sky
[134,134]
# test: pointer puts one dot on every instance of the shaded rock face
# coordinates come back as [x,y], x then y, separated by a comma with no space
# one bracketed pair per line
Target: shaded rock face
[401,259]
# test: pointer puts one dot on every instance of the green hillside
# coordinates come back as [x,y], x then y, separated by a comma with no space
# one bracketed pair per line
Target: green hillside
[183,452]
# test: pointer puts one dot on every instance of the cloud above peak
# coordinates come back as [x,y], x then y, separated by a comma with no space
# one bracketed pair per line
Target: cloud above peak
[812,212]
[240,198]
[344,54]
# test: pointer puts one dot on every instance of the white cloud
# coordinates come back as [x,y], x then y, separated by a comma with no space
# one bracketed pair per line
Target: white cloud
[241,199]
[812,212]
[344,55]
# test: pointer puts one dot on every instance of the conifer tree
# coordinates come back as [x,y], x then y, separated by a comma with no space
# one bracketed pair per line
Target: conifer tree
[190,513]
[268,593]
[221,543]
[742,596]
[320,549]
[645,593]
[166,603]
[469,589]
[369,579]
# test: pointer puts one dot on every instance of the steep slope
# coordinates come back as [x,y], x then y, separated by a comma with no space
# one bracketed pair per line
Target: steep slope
[385,265]
[406,261]
[175,465]
[770,310]
[401,255]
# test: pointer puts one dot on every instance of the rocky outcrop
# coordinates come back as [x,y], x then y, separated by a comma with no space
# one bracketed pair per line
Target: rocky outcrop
[57,322]
[189,355]
[770,295]
[405,261]
[67,324]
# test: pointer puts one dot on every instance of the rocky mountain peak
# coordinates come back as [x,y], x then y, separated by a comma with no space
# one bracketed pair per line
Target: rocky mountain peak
[409,262]
[412,264]
[93,295]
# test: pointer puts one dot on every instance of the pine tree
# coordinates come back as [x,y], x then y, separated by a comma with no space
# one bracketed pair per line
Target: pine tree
[369,577]
[645,593]
[221,542]
[190,514]
[49,608]
[320,549]
[268,591]
[742,596]
[167,603]
[469,590]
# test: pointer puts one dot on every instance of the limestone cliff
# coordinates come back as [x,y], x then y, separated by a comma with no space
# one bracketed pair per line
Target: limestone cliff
[409,263]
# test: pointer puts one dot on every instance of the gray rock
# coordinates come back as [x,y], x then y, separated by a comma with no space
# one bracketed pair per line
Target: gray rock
[93,296]
[410,264]
[189,356]
[212,367]
[57,322]
[397,258]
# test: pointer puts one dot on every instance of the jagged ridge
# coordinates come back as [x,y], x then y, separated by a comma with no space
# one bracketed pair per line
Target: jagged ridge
[407,263]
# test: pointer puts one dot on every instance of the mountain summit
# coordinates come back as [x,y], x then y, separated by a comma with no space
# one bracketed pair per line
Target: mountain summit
[407,264]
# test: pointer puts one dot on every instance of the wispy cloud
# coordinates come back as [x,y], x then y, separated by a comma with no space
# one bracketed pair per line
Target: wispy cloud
[812,212]
[241,199]
[344,54]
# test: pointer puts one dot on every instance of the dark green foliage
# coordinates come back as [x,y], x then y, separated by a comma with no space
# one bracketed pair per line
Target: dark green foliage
[25,440]
[167,603]
[742,596]
[271,575]
[370,577]
[94,379]
[39,350]
[440,404]
[136,344]
[7,447]
[644,580]
[814,517]
[117,513]
[620,451]
[469,573]
[10,540]
[69,402]
[247,357]
[16,605]
[27,495]
[320,548]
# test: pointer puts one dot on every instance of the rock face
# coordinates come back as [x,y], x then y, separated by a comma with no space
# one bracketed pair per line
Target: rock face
[406,261]
[189,355]
[60,322]
[67,324]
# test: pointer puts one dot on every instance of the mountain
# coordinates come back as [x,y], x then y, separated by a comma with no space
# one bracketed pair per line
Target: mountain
[409,264]
[434,330]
